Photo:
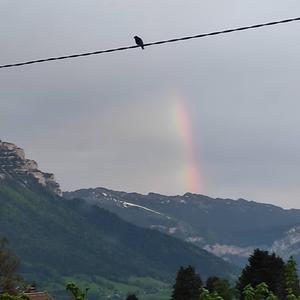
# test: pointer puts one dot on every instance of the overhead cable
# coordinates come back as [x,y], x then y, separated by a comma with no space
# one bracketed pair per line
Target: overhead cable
[30,62]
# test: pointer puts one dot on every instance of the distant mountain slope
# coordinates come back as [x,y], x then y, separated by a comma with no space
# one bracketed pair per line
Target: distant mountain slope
[228,228]
[58,238]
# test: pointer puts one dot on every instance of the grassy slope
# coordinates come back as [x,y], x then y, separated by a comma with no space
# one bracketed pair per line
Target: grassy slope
[58,240]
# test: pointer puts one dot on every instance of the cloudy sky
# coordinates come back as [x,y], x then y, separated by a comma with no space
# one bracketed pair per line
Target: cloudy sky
[218,116]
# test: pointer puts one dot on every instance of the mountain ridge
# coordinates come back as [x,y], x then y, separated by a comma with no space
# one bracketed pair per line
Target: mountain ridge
[59,239]
[13,163]
[228,228]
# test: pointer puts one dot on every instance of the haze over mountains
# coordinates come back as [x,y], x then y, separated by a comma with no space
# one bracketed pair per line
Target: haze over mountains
[228,228]
[59,240]
[123,241]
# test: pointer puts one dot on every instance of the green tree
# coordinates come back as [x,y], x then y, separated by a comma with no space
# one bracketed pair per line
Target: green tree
[7,296]
[188,285]
[260,292]
[76,292]
[221,287]
[264,267]
[206,295]
[248,292]
[10,280]
[291,278]
[210,283]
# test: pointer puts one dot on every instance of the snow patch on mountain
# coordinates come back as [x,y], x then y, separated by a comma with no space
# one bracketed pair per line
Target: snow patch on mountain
[195,239]
[159,227]
[172,230]
[223,250]
[128,204]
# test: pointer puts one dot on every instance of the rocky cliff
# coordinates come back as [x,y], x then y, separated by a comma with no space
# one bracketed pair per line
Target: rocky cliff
[13,163]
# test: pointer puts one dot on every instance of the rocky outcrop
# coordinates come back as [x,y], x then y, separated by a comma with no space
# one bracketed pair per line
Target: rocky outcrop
[14,163]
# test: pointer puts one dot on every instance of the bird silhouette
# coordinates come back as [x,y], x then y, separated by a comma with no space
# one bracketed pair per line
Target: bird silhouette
[139,41]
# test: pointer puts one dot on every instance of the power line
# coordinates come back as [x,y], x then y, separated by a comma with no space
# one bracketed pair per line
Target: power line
[150,44]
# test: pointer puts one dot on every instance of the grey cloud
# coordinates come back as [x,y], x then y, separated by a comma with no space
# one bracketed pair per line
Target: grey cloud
[107,120]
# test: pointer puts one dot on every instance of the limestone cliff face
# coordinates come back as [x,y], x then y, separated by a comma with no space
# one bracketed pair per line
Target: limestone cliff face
[13,162]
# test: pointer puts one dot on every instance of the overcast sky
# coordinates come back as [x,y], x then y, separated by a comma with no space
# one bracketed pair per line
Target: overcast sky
[109,120]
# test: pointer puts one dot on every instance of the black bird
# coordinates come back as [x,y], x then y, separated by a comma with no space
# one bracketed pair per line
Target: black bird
[139,41]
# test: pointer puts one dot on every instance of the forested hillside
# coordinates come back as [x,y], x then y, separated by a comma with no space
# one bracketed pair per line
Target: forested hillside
[58,240]
[231,229]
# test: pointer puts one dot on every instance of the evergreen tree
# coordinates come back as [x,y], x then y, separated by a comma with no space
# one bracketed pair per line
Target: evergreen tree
[223,289]
[260,292]
[77,293]
[210,283]
[9,265]
[206,295]
[291,277]
[132,297]
[264,267]
[188,285]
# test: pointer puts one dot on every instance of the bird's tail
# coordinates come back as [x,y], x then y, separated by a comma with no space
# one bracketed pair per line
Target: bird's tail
[143,47]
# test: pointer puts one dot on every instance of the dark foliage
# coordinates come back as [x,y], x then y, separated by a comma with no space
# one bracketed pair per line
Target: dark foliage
[9,265]
[77,293]
[132,297]
[264,267]
[221,287]
[188,284]
[291,277]
[210,283]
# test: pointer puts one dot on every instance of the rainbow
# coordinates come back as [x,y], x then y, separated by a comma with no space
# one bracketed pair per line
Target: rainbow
[192,172]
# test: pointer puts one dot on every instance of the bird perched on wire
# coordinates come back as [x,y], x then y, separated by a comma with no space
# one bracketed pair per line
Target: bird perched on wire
[139,41]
